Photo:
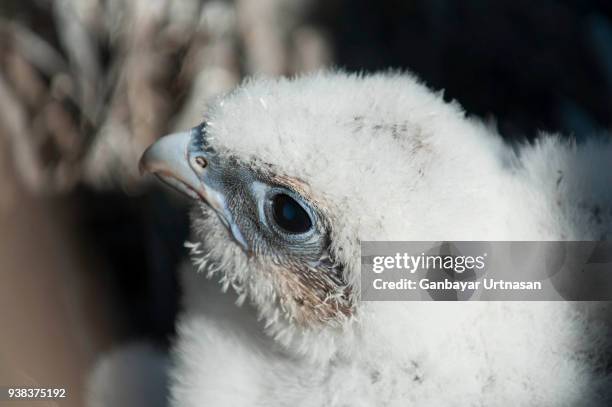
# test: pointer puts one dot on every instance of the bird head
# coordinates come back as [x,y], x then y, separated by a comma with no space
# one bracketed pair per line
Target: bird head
[263,231]
[291,175]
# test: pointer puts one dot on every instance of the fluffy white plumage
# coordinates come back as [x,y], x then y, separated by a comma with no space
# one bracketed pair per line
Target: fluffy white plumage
[384,158]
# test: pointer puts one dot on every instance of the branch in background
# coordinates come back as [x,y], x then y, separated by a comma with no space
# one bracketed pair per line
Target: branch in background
[82,105]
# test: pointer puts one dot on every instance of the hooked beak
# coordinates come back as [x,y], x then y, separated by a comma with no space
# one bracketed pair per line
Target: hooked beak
[168,160]
[180,161]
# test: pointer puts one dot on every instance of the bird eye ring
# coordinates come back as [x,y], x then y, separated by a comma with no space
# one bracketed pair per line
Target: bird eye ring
[288,215]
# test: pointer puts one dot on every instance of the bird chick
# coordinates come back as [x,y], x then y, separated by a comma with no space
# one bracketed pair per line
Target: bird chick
[290,175]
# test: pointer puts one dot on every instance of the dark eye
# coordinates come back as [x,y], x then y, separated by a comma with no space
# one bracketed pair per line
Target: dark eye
[289,215]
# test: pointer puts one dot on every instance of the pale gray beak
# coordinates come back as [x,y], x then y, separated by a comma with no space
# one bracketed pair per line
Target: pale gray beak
[168,159]
[185,162]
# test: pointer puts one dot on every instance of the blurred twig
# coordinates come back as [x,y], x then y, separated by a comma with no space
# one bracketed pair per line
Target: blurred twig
[82,104]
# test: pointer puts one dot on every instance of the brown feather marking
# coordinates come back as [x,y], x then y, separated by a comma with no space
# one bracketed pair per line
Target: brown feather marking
[309,297]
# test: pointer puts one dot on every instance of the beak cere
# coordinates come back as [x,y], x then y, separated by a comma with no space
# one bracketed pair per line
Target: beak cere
[179,161]
[168,159]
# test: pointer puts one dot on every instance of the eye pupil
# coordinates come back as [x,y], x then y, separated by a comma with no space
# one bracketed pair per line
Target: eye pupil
[289,212]
[289,215]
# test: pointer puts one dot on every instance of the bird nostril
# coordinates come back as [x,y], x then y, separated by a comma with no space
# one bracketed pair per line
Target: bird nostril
[201,161]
